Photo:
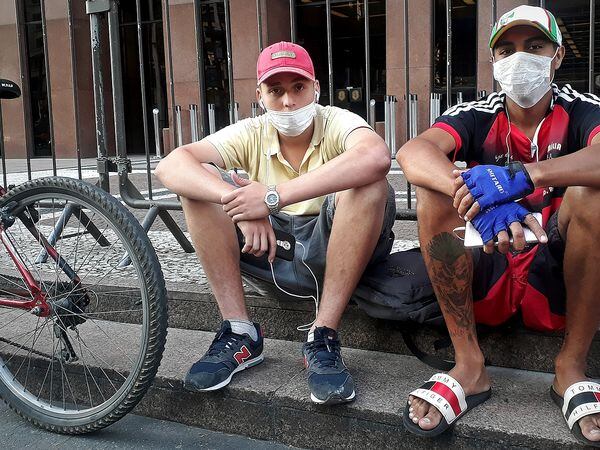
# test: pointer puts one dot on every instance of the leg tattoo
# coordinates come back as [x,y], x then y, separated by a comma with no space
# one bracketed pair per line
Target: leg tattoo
[451,272]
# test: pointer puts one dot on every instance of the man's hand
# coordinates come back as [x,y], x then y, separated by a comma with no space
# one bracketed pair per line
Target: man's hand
[259,237]
[497,220]
[246,202]
[487,185]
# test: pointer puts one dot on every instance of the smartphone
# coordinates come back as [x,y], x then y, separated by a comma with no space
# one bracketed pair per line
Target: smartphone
[473,238]
[286,244]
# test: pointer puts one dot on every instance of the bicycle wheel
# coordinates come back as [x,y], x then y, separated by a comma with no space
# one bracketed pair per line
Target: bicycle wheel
[91,357]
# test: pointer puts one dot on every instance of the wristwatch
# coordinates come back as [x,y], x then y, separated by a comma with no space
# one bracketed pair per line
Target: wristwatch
[272,199]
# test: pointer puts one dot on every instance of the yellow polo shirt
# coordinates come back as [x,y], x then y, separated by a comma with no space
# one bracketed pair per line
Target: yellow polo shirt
[253,145]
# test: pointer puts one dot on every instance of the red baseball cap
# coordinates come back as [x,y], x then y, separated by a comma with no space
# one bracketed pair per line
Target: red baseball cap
[284,57]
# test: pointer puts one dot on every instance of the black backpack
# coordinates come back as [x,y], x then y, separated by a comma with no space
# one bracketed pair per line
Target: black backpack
[399,289]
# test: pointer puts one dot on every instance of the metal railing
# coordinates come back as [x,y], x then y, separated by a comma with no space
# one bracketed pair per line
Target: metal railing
[390,122]
[121,164]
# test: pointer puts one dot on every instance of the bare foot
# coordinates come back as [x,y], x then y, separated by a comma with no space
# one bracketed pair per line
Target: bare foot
[473,379]
[566,375]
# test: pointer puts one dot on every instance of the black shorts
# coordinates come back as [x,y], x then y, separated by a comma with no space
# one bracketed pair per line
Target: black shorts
[531,282]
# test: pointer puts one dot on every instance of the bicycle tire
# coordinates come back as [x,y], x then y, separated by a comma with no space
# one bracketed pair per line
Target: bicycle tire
[153,306]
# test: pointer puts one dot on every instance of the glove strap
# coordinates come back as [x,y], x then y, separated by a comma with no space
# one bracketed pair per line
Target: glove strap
[514,167]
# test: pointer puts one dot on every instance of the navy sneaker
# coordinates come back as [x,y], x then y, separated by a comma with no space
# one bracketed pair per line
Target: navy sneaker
[329,380]
[228,354]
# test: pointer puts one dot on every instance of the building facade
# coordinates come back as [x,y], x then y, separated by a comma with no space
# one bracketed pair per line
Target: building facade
[190,60]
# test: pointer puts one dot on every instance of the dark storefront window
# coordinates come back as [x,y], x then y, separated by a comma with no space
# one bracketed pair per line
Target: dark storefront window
[573,19]
[311,33]
[214,41]
[464,49]
[36,78]
[348,50]
[154,71]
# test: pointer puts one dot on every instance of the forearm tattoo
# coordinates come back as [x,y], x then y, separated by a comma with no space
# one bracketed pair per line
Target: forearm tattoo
[451,272]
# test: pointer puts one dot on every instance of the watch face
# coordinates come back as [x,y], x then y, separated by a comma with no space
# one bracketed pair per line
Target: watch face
[272,199]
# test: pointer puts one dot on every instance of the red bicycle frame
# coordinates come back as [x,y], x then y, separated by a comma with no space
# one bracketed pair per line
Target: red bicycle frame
[38,304]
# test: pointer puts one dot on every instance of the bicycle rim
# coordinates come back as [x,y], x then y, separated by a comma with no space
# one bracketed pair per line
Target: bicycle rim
[80,364]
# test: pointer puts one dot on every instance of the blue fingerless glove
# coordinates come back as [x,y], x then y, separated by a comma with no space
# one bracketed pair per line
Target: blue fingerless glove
[495,219]
[494,185]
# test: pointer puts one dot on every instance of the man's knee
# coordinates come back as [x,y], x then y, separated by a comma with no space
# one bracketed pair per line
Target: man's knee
[434,208]
[370,194]
[580,206]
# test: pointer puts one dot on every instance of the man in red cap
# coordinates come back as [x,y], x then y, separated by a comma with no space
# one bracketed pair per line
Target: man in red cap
[531,148]
[316,173]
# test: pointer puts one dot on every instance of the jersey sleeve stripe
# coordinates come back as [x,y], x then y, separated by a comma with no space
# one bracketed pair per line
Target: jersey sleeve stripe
[449,129]
[593,134]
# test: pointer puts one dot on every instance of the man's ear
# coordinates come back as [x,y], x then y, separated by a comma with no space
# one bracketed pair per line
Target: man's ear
[560,54]
[259,98]
[317,91]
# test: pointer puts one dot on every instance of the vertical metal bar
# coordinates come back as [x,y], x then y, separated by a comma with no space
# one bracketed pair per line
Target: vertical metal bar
[157,137]
[229,61]
[259,23]
[481,94]
[48,84]
[406,67]
[200,67]
[413,131]
[138,20]
[99,97]
[448,53]
[386,119]
[75,85]
[178,126]
[329,50]
[459,97]
[367,61]
[211,118]
[293,20]
[372,120]
[592,49]
[171,81]
[430,109]
[254,109]
[25,83]
[2,150]
[393,126]
[194,122]
[117,79]
[543,3]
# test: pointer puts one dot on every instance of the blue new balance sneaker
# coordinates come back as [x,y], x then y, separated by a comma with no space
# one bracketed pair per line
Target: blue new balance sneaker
[228,354]
[329,380]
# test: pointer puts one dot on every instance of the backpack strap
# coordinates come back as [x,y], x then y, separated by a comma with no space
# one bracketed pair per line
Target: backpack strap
[431,360]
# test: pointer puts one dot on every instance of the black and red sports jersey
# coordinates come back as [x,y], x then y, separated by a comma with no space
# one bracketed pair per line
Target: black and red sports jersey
[481,132]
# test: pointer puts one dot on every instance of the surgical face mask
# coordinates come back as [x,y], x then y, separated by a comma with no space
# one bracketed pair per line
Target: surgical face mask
[293,123]
[524,77]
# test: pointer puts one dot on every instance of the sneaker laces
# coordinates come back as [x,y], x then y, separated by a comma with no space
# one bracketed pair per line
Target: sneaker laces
[325,351]
[223,342]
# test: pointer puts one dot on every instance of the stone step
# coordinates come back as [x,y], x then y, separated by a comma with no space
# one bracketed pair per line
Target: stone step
[192,306]
[271,401]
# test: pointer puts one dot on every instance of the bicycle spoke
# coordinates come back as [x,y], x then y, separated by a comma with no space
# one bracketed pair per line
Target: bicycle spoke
[85,358]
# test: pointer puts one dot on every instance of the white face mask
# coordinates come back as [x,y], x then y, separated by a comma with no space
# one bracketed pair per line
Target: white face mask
[524,77]
[293,123]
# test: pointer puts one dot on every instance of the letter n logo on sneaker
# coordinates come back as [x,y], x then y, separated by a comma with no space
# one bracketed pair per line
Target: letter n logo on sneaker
[242,355]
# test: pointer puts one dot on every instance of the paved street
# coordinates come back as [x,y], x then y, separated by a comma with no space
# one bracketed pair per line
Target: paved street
[131,432]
